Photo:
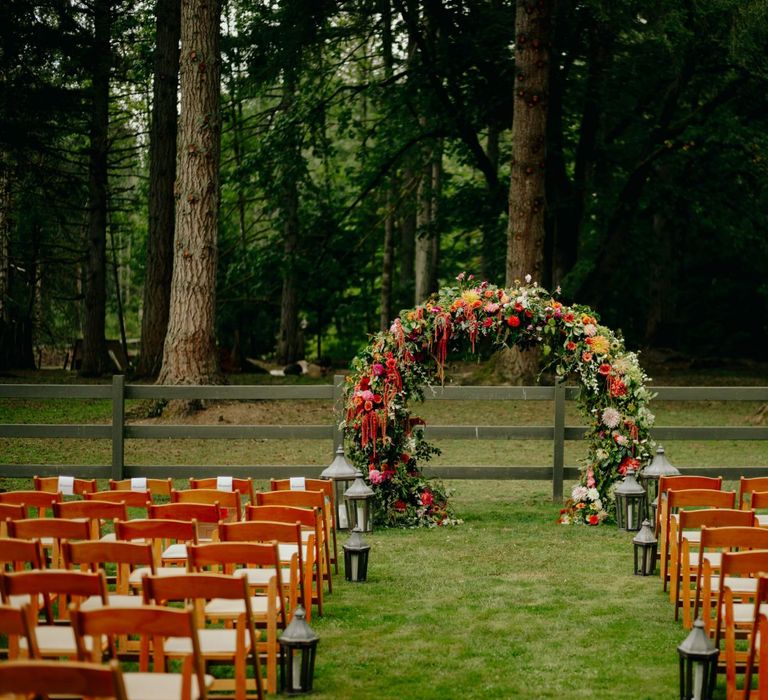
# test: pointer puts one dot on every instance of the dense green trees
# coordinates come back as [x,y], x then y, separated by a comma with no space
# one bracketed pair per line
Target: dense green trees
[367,150]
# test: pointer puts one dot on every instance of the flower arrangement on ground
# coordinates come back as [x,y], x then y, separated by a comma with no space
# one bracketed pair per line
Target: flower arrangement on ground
[386,441]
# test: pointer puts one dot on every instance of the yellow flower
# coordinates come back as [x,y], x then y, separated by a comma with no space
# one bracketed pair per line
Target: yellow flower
[470,296]
[601,345]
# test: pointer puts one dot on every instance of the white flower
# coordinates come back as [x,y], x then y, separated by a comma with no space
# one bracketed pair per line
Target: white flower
[579,493]
[611,417]
[528,279]
[601,454]
[593,494]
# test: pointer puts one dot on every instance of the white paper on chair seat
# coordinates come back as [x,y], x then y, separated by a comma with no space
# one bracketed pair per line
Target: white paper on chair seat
[223,483]
[298,483]
[139,483]
[67,485]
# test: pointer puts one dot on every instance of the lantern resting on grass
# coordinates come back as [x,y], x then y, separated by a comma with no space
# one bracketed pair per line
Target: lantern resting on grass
[645,546]
[298,645]
[356,552]
[358,498]
[698,664]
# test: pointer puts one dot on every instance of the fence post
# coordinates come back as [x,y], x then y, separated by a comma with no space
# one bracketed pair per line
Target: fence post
[118,426]
[338,410]
[559,443]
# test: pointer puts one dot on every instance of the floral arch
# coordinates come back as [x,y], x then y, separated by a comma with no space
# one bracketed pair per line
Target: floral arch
[386,441]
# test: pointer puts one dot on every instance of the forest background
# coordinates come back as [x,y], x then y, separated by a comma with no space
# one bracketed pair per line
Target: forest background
[367,152]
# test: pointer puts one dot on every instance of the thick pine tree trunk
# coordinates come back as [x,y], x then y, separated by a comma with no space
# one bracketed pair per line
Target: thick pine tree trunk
[525,232]
[189,355]
[95,359]
[162,174]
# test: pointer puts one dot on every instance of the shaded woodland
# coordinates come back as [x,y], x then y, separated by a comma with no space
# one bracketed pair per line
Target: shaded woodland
[279,179]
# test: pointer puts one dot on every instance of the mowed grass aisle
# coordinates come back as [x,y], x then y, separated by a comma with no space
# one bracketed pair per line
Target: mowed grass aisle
[507,605]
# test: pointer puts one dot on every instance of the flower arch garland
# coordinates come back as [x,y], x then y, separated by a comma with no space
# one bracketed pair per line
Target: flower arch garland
[387,442]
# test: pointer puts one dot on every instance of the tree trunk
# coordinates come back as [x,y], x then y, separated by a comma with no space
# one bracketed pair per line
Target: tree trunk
[388,259]
[525,232]
[189,354]
[406,244]
[289,343]
[288,346]
[162,174]
[427,234]
[95,359]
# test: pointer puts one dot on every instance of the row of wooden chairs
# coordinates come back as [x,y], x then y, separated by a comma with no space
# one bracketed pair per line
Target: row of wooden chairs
[245,565]
[714,552]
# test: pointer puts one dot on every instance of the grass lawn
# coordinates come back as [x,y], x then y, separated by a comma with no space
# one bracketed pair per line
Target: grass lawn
[507,605]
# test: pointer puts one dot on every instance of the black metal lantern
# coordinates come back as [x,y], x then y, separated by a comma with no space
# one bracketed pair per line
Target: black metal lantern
[342,474]
[698,664]
[630,503]
[358,499]
[356,552]
[645,544]
[651,474]
[298,645]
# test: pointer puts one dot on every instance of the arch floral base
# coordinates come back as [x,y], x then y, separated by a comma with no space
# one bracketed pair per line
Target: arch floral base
[387,442]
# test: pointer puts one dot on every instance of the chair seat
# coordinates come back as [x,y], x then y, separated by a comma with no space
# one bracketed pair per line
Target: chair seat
[213,643]
[110,537]
[256,577]
[56,640]
[175,552]
[227,608]
[714,559]
[159,686]
[115,600]
[134,579]
[736,584]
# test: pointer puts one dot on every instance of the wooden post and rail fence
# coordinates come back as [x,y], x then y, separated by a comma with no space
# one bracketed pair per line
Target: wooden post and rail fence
[118,431]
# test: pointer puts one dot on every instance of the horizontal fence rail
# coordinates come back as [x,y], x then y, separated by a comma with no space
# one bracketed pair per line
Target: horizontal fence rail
[118,431]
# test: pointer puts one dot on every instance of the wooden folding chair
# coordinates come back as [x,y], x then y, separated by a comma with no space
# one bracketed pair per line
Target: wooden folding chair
[40,501]
[51,532]
[680,483]
[35,678]
[226,483]
[324,485]
[230,646]
[257,562]
[17,622]
[688,499]
[685,533]
[122,558]
[21,554]
[137,501]
[296,554]
[759,502]
[168,538]
[207,516]
[227,500]
[157,628]
[11,511]
[740,599]
[737,575]
[98,513]
[156,487]
[55,638]
[757,655]
[65,485]
[747,486]
[310,500]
